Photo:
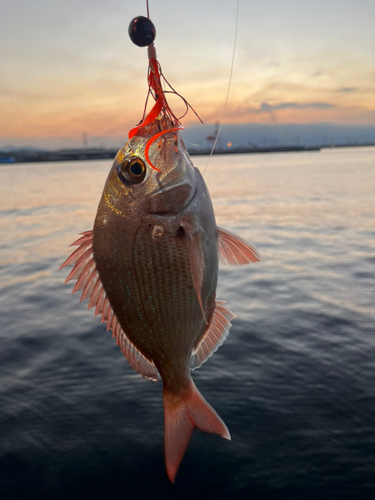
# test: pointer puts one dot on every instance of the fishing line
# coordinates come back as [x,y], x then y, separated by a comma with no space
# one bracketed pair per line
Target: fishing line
[229,85]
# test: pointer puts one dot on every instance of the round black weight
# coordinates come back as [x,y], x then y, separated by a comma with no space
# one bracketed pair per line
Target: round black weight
[142,32]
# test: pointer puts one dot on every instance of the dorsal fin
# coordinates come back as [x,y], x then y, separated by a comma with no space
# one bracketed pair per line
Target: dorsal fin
[235,250]
[86,274]
[215,335]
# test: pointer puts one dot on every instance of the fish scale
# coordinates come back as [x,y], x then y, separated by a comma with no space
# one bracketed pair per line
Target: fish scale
[175,307]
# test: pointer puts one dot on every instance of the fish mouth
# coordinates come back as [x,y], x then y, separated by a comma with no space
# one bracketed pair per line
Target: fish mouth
[169,187]
[171,198]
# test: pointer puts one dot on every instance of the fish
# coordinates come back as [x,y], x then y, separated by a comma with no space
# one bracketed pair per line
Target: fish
[149,267]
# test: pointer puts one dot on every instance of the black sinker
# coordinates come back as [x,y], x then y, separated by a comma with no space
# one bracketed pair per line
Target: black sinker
[142,31]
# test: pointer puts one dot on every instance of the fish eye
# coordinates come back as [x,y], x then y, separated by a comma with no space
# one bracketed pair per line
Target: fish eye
[132,171]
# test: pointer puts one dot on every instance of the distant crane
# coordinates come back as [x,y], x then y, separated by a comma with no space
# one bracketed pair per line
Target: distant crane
[212,138]
[85,140]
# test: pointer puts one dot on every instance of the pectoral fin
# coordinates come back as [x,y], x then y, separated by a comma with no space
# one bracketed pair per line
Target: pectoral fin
[196,257]
[235,250]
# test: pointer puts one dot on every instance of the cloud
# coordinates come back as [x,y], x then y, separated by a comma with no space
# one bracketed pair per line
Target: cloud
[294,105]
[347,89]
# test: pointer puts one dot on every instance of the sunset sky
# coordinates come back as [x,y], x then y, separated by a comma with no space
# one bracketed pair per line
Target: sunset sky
[68,67]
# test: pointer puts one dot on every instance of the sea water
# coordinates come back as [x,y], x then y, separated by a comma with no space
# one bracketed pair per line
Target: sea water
[294,382]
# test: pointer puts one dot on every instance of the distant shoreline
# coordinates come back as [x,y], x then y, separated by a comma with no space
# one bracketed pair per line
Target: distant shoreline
[33,156]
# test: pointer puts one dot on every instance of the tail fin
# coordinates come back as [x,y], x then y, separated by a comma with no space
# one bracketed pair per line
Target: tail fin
[182,413]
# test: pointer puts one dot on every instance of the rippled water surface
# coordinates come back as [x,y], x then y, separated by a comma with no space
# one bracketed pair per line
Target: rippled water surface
[294,382]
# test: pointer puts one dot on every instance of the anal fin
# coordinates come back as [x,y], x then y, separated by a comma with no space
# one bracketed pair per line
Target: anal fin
[215,335]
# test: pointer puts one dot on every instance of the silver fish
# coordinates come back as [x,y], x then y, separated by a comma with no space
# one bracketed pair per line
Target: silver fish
[150,268]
